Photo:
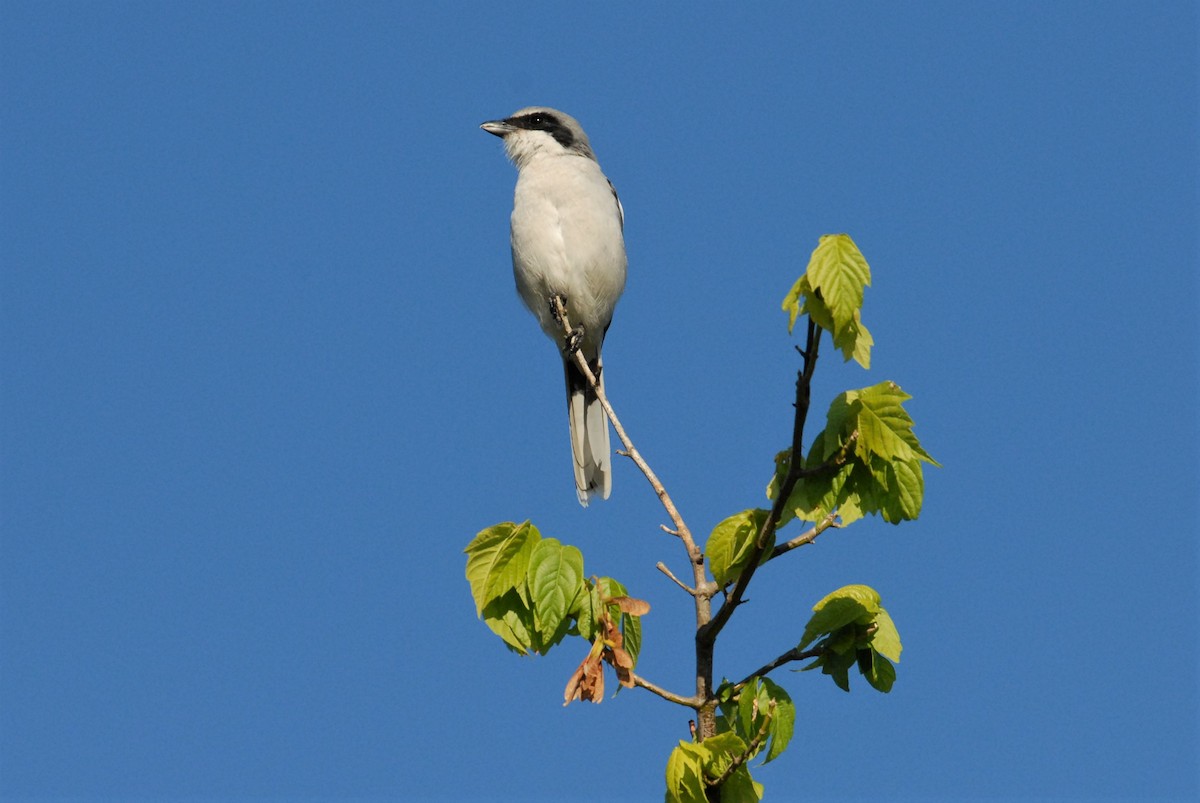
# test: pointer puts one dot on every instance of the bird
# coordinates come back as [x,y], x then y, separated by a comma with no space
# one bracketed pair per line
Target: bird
[568,242]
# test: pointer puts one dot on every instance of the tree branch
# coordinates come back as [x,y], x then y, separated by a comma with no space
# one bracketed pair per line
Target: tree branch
[704,702]
[794,654]
[806,537]
[680,527]
[669,696]
[662,567]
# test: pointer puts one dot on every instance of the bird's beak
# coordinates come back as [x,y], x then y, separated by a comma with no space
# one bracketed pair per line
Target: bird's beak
[498,127]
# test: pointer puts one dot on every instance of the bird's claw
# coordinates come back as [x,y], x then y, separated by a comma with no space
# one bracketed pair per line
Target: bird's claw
[558,307]
[573,340]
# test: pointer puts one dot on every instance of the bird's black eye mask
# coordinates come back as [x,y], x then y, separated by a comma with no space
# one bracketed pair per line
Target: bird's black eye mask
[540,121]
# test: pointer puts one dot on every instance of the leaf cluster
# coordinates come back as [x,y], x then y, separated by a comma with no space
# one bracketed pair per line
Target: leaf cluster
[532,592]
[757,715]
[866,460]
[694,767]
[850,627]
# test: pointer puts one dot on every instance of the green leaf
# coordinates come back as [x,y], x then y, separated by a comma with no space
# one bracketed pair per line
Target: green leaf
[793,300]
[497,561]
[685,773]
[631,630]
[587,609]
[753,705]
[831,293]
[722,750]
[886,640]
[784,721]
[882,422]
[741,788]
[849,604]
[511,620]
[882,473]
[731,543]
[881,674]
[837,666]
[816,496]
[854,341]
[839,272]
[555,580]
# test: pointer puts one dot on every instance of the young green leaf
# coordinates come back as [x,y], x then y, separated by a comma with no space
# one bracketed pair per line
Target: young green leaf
[587,609]
[882,675]
[555,579]
[685,773]
[498,560]
[871,432]
[849,604]
[794,300]
[839,272]
[831,293]
[741,788]
[722,750]
[754,705]
[631,629]
[731,542]
[509,618]
[784,721]
[886,640]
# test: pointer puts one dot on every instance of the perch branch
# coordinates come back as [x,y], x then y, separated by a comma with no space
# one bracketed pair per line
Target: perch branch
[704,702]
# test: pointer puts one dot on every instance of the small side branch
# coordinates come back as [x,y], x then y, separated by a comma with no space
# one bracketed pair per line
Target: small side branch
[806,537]
[794,654]
[669,696]
[662,567]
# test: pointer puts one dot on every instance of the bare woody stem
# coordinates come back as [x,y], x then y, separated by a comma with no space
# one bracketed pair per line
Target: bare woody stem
[669,696]
[702,588]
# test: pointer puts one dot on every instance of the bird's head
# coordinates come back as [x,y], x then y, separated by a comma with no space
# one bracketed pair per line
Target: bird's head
[539,131]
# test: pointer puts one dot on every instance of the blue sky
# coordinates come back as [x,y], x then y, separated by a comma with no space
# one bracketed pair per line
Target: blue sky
[264,374]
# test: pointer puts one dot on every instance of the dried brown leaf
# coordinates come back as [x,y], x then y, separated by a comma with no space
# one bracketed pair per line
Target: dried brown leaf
[636,607]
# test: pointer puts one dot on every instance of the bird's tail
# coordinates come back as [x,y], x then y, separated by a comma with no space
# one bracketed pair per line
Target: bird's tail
[590,449]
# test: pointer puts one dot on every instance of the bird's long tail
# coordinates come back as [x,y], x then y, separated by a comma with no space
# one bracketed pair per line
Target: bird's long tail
[590,449]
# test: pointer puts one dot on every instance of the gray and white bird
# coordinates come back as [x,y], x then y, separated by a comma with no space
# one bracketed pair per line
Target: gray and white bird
[568,241]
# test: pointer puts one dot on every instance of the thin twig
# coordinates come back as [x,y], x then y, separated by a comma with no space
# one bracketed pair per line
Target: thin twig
[794,654]
[807,537]
[669,696]
[662,567]
[663,497]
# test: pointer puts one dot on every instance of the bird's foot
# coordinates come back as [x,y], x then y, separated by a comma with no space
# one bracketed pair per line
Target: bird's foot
[558,307]
[573,340]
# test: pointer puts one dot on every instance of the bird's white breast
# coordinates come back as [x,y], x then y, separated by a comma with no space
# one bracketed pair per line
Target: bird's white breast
[567,239]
